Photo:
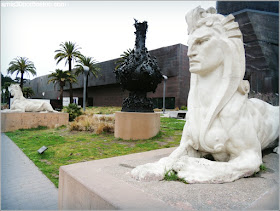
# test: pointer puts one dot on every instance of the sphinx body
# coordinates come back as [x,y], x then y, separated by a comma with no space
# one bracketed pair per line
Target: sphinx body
[221,120]
[21,104]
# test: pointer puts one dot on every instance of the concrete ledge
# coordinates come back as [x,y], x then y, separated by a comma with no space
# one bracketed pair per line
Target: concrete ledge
[26,120]
[106,184]
[136,125]
[177,114]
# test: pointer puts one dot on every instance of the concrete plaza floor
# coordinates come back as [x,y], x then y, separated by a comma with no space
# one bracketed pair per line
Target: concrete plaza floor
[23,185]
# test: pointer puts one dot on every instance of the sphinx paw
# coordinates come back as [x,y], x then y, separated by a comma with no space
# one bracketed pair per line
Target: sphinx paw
[148,172]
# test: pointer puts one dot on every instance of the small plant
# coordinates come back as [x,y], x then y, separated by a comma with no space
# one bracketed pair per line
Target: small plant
[73,110]
[40,127]
[61,127]
[171,175]
[183,108]
[263,167]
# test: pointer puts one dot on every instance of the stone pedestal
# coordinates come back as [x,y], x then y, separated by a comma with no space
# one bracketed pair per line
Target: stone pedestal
[136,125]
[107,184]
[26,120]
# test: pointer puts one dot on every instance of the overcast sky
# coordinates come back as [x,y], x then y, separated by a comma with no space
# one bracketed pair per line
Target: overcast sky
[103,29]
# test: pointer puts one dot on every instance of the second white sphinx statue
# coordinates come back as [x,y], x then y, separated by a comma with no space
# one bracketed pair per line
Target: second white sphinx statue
[221,120]
[21,104]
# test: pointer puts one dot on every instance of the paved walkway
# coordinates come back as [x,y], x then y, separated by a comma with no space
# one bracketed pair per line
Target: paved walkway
[23,185]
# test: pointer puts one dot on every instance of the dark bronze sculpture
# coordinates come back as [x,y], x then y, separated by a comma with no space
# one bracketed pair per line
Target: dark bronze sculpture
[138,73]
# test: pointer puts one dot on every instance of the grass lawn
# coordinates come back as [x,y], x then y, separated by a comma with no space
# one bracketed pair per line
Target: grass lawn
[67,147]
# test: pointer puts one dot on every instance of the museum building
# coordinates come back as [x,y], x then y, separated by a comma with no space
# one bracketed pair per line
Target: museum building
[259,24]
[106,91]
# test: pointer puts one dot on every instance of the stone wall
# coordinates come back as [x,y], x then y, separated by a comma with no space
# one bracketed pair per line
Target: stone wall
[228,7]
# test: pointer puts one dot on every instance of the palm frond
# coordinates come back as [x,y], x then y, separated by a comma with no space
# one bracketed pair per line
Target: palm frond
[124,56]
[89,62]
[21,65]
[68,51]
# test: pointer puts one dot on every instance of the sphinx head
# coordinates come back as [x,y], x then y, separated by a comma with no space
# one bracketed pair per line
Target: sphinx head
[214,40]
[15,90]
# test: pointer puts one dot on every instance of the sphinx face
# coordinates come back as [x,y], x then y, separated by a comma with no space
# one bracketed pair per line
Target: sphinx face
[205,50]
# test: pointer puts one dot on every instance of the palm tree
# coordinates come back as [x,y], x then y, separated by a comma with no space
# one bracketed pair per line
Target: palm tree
[93,69]
[21,65]
[123,58]
[27,92]
[68,51]
[61,77]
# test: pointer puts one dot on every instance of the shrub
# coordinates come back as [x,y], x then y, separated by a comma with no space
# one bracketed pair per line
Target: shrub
[183,108]
[73,110]
[93,123]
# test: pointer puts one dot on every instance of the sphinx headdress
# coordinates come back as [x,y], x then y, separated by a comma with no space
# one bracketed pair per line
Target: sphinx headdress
[198,17]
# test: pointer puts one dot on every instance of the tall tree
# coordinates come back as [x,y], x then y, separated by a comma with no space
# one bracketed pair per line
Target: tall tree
[94,69]
[61,77]
[70,52]
[21,65]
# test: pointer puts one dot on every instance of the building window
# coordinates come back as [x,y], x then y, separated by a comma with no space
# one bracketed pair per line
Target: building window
[169,102]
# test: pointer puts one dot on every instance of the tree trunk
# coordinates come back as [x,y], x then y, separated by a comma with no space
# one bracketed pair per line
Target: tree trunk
[71,89]
[21,81]
[61,95]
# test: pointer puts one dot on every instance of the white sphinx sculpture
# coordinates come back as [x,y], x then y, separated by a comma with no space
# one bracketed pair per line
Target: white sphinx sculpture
[221,120]
[21,104]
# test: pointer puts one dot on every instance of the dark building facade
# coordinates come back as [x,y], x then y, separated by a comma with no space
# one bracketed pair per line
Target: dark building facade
[259,24]
[105,91]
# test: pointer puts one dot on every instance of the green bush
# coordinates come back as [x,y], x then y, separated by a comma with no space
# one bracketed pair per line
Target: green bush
[183,108]
[73,110]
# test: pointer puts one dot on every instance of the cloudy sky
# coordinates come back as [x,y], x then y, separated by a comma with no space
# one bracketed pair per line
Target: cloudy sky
[103,29]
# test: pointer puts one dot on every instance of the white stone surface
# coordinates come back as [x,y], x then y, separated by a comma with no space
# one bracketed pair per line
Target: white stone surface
[221,120]
[21,104]
[46,100]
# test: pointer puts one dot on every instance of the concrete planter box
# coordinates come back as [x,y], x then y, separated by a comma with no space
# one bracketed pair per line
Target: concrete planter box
[107,184]
[26,120]
[136,125]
